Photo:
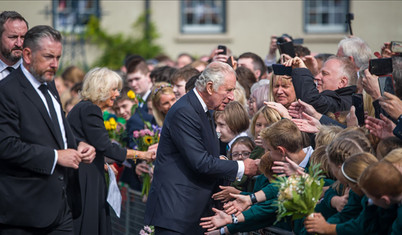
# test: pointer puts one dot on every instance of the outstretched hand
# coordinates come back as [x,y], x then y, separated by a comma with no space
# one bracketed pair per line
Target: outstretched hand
[382,128]
[297,108]
[218,220]
[224,195]
[240,204]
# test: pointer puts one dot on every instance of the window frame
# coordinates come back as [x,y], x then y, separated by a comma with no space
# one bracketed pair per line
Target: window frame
[325,28]
[200,28]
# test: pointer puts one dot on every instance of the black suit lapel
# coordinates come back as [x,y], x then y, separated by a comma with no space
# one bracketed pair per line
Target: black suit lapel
[35,99]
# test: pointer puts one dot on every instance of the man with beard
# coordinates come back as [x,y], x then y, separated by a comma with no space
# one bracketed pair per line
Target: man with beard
[39,187]
[13,28]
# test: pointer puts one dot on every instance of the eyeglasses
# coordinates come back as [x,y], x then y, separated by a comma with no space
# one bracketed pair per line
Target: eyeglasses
[244,154]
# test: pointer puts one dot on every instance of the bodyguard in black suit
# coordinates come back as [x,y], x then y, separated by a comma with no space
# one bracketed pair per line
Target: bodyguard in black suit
[38,184]
[187,167]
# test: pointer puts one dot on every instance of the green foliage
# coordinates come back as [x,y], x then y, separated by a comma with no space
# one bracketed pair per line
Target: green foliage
[116,47]
[298,195]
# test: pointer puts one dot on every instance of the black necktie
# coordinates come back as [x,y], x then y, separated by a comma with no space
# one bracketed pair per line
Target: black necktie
[10,69]
[210,121]
[53,116]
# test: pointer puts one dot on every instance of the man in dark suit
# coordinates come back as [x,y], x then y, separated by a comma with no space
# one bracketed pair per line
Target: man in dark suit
[39,190]
[188,168]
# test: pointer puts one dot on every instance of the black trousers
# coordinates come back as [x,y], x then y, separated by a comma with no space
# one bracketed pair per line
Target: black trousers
[63,225]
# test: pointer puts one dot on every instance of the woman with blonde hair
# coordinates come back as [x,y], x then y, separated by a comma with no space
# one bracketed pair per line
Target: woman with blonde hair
[163,99]
[100,89]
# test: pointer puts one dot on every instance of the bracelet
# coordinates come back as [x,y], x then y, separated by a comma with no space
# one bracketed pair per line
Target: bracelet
[135,157]
[253,199]
[222,231]
[234,219]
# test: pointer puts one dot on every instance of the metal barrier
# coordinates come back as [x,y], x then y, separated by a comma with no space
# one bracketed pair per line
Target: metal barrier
[131,219]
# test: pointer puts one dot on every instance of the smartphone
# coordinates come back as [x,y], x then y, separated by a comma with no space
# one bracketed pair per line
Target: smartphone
[287,48]
[357,101]
[386,84]
[222,47]
[381,66]
[280,69]
[396,47]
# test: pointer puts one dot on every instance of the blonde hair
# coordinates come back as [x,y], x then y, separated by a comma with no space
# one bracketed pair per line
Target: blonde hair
[98,83]
[240,95]
[160,88]
[354,166]
[346,144]
[319,156]
[270,115]
[326,134]
[394,157]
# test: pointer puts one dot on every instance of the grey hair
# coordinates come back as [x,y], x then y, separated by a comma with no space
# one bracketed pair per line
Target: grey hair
[34,36]
[346,69]
[215,72]
[358,49]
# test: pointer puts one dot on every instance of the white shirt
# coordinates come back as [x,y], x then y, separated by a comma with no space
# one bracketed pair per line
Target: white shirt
[35,84]
[240,169]
[3,69]
[308,150]
[145,97]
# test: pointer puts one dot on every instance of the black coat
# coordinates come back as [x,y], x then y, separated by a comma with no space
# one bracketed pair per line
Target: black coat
[30,194]
[324,102]
[87,124]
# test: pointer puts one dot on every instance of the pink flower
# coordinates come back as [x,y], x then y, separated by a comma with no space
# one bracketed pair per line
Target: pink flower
[136,134]
[142,133]
[148,132]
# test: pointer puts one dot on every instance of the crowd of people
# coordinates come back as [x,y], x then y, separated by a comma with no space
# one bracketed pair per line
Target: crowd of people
[229,126]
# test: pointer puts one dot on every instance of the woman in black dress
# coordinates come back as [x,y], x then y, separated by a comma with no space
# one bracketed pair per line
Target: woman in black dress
[100,89]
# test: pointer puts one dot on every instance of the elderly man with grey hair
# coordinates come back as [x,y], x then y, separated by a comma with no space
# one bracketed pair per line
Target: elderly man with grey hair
[188,169]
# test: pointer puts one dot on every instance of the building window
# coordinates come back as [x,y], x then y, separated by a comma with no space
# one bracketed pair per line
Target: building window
[325,16]
[203,16]
[73,15]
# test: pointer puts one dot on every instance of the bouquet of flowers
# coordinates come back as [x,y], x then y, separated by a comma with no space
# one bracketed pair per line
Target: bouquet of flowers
[143,139]
[115,129]
[147,230]
[299,194]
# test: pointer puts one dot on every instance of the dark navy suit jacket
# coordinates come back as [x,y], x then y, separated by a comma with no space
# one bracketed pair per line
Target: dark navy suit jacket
[187,169]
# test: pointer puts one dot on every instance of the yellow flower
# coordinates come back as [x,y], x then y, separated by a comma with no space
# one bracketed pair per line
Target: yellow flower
[107,125]
[112,121]
[148,140]
[131,94]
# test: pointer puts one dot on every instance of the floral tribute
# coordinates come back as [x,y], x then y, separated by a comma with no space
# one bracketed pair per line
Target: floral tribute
[143,139]
[299,194]
[147,230]
[115,129]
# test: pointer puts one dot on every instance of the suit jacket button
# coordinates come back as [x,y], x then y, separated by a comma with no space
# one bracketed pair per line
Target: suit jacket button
[61,178]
